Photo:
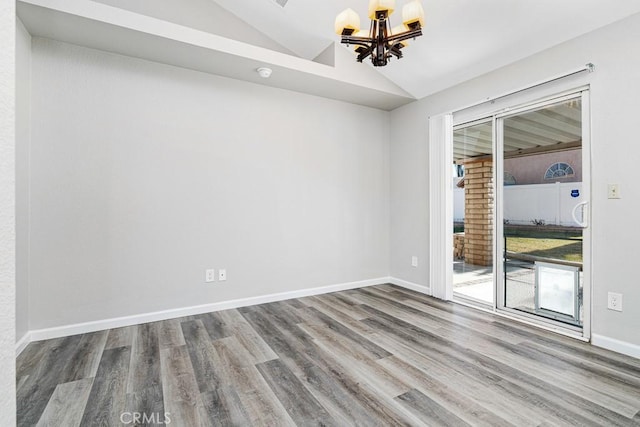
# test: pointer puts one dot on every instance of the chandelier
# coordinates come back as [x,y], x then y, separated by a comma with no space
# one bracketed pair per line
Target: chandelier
[382,41]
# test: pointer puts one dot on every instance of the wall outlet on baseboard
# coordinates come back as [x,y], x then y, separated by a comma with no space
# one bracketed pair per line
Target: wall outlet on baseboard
[222,274]
[414,261]
[614,301]
[210,275]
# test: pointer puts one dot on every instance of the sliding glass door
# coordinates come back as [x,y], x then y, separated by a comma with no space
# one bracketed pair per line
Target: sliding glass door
[542,208]
[520,193]
[473,204]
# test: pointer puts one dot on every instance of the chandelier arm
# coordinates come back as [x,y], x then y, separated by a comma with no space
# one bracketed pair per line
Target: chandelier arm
[395,38]
[364,41]
[365,53]
[395,51]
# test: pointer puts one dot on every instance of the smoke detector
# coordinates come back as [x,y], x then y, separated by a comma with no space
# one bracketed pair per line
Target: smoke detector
[264,72]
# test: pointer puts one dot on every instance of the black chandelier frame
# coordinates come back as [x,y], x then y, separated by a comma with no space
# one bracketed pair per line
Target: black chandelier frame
[381,45]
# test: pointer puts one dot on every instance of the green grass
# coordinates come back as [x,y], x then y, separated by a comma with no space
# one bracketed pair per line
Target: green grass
[566,248]
[557,244]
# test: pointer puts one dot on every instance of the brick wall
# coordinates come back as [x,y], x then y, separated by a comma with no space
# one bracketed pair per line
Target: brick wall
[458,246]
[478,220]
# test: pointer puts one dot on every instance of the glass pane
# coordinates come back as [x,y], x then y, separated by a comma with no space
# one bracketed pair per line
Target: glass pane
[543,244]
[473,212]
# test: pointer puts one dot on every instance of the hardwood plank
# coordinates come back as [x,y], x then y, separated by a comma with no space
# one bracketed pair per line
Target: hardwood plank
[301,405]
[33,355]
[430,373]
[380,355]
[358,401]
[34,395]
[144,372]
[247,336]
[237,371]
[430,411]
[617,361]
[202,354]
[357,362]
[86,359]
[313,315]
[215,326]
[446,394]
[66,406]
[170,333]
[179,387]
[284,313]
[108,394]
[21,382]
[337,303]
[149,402]
[574,379]
[519,383]
[297,350]
[222,407]
[120,337]
[385,302]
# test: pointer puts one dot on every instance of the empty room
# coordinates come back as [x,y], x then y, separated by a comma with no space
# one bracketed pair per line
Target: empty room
[296,213]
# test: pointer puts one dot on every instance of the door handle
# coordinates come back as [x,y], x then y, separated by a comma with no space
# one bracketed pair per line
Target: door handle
[584,223]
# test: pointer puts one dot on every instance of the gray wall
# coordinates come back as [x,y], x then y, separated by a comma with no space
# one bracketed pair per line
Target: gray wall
[7,214]
[23,145]
[614,98]
[144,175]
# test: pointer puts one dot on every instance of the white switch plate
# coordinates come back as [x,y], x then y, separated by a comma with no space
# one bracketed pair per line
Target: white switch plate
[414,261]
[614,301]
[222,274]
[210,275]
[613,191]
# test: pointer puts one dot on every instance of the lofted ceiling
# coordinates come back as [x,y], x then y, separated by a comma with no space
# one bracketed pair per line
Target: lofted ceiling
[462,38]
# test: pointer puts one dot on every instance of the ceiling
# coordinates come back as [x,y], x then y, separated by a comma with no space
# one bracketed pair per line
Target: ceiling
[555,127]
[462,38]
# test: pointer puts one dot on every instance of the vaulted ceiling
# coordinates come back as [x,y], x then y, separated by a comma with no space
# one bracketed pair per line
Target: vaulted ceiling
[462,38]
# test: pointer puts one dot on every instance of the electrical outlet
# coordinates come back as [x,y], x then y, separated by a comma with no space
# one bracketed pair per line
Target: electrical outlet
[210,275]
[614,301]
[414,261]
[222,274]
[613,191]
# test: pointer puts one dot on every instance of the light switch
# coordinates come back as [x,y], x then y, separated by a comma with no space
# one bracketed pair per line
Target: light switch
[613,191]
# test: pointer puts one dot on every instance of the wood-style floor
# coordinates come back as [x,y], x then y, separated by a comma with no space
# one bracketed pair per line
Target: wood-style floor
[377,356]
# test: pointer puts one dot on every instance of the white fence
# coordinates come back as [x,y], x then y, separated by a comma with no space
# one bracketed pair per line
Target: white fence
[551,203]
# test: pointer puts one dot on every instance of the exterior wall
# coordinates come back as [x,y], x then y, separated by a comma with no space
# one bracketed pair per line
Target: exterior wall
[531,169]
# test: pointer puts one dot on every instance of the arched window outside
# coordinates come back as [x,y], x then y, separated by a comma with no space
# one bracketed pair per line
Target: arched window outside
[509,179]
[559,170]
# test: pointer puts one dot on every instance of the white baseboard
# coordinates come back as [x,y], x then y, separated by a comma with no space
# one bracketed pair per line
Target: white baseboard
[99,325]
[412,286]
[23,343]
[618,346]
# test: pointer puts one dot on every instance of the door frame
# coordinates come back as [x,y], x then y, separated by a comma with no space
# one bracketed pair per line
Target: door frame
[582,92]
[499,282]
